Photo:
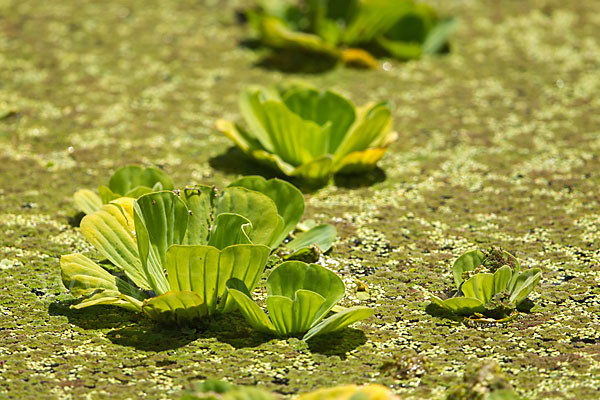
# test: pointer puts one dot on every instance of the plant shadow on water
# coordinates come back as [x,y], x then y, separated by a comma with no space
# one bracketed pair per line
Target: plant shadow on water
[133,330]
[291,61]
[234,161]
[338,343]
[98,317]
[436,311]
[359,180]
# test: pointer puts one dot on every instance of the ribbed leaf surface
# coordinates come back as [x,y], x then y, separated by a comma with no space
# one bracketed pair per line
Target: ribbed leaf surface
[87,201]
[259,209]
[108,231]
[183,308]
[206,270]
[287,198]
[479,286]
[160,222]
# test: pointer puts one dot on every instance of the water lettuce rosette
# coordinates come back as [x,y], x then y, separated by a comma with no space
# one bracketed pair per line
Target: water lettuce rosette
[353,31]
[309,133]
[489,283]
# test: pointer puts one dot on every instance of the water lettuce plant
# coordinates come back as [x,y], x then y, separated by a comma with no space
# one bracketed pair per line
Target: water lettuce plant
[353,31]
[299,296]
[310,133]
[129,181]
[172,252]
[489,283]
[168,260]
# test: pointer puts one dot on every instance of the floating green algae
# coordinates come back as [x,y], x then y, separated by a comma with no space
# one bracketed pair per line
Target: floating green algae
[499,143]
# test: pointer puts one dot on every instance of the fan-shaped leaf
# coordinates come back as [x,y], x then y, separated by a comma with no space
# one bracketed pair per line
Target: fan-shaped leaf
[110,297]
[160,222]
[288,200]
[108,231]
[479,286]
[83,276]
[366,131]
[230,229]
[321,235]
[183,308]
[199,200]
[460,305]
[466,262]
[127,178]
[291,276]
[259,209]
[206,270]
[339,321]
[322,107]
[255,316]
[502,278]
[524,284]
[87,201]
[295,140]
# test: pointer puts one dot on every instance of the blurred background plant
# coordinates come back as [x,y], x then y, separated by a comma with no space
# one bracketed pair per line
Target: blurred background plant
[354,32]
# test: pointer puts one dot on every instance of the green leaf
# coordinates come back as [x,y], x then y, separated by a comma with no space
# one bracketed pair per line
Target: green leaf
[230,229]
[502,278]
[139,191]
[295,140]
[305,309]
[255,316]
[160,221]
[460,305]
[87,201]
[82,276]
[323,107]
[291,276]
[479,286]
[281,314]
[107,195]
[251,107]
[205,270]
[366,131]
[110,297]
[287,198]
[359,161]
[130,177]
[524,284]
[316,170]
[466,262]
[108,231]
[339,321]
[274,32]
[373,18]
[321,235]
[199,200]
[183,308]
[259,209]
[437,38]
[238,135]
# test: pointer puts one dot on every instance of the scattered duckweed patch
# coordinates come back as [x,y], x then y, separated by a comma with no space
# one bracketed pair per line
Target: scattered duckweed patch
[499,143]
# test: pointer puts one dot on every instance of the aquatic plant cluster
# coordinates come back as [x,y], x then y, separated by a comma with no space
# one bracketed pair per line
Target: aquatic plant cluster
[182,256]
[179,256]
